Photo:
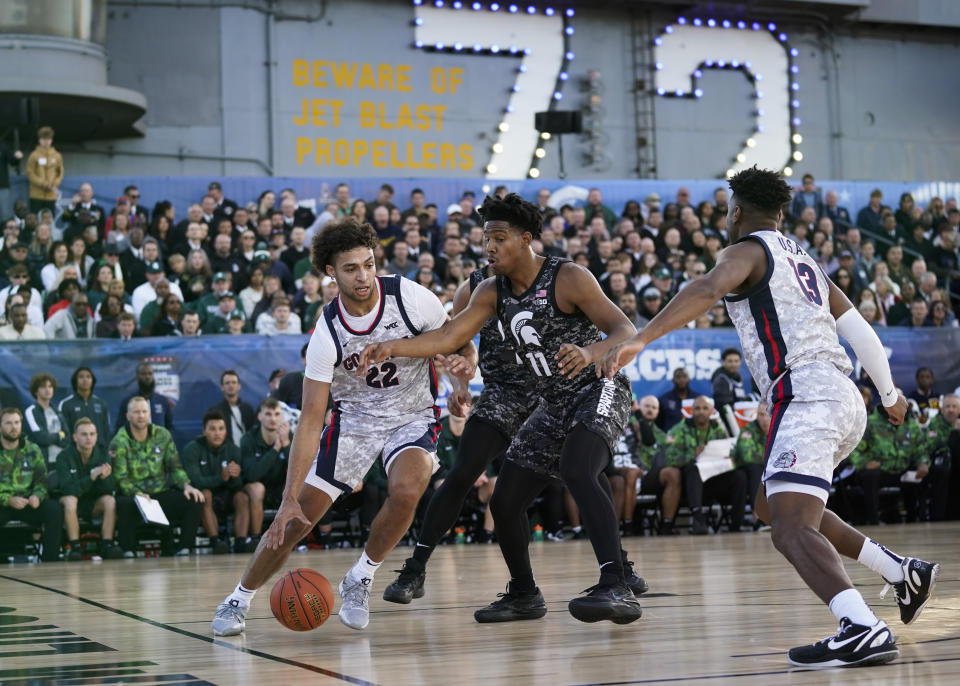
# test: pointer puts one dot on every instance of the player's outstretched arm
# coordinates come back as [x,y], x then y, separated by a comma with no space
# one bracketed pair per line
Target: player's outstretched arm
[869,350]
[451,337]
[306,442]
[735,266]
[578,287]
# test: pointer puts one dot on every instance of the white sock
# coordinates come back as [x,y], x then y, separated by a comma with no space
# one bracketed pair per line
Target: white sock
[850,604]
[365,568]
[884,562]
[242,595]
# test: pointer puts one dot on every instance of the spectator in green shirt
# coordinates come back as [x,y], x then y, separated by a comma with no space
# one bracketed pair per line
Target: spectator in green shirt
[23,484]
[685,442]
[146,463]
[85,483]
[213,465]
[651,442]
[83,403]
[264,453]
[749,450]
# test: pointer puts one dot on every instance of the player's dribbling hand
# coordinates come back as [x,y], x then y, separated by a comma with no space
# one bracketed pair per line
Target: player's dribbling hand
[572,359]
[191,493]
[458,403]
[372,354]
[458,365]
[289,511]
[897,411]
[617,357]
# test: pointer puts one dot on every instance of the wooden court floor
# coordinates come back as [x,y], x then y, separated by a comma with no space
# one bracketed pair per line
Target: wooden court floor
[721,610]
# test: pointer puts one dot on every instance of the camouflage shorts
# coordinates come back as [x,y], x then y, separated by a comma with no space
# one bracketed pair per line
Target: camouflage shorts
[505,407]
[817,419]
[602,406]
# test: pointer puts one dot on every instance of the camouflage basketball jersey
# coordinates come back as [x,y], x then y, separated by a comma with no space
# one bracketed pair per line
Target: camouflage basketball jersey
[536,328]
[784,321]
[497,361]
[395,389]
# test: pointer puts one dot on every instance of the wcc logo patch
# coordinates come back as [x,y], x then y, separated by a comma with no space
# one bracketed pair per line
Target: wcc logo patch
[785,460]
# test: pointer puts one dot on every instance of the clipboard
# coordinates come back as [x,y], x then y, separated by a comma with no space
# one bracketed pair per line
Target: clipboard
[715,458]
[151,511]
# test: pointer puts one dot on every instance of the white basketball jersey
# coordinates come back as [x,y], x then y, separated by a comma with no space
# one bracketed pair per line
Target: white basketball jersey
[785,320]
[393,390]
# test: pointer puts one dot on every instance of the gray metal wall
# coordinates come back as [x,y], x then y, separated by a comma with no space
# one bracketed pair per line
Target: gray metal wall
[873,107]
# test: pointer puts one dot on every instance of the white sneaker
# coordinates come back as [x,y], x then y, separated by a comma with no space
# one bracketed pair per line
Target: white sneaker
[229,618]
[355,601]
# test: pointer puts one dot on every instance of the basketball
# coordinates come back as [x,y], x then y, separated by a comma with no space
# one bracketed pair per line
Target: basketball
[301,599]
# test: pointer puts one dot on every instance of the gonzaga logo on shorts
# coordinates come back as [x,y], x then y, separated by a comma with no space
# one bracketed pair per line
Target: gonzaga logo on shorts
[785,460]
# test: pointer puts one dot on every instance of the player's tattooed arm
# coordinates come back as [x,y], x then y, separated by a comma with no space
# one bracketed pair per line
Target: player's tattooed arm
[738,267]
[453,336]
[577,289]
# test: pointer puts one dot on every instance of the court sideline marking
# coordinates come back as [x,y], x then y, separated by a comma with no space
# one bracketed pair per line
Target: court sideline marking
[200,637]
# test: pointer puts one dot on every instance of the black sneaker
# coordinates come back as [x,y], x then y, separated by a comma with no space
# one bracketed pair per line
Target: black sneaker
[615,602]
[914,591]
[636,583]
[666,528]
[74,555]
[698,525]
[219,546]
[112,552]
[513,606]
[854,645]
[409,584]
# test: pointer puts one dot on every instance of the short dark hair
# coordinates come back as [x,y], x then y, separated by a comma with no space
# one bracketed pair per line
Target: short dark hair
[268,404]
[212,416]
[66,283]
[76,373]
[229,372]
[387,187]
[517,212]
[11,410]
[731,351]
[920,370]
[39,380]
[340,235]
[761,189]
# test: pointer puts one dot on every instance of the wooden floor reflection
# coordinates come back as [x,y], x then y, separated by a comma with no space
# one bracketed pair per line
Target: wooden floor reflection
[721,609]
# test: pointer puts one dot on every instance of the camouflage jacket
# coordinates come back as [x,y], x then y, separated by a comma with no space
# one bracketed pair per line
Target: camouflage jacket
[73,476]
[750,445]
[23,472]
[684,439]
[151,466]
[646,455]
[935,438]
[894,447]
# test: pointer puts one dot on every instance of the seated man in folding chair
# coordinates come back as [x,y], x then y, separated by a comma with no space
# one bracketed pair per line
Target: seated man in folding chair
[654,479]
[685,442]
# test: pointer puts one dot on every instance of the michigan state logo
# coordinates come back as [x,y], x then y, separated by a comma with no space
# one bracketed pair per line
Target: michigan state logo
[785,460]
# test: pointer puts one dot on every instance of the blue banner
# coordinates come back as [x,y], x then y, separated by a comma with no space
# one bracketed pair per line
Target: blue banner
[188,370]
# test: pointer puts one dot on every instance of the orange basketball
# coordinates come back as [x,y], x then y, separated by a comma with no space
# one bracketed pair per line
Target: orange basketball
[301,599]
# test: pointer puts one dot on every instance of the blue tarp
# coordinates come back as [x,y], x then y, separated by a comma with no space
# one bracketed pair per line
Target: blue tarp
[189,369]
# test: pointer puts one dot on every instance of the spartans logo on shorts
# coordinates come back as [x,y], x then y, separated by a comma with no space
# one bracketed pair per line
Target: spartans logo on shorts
[785,460]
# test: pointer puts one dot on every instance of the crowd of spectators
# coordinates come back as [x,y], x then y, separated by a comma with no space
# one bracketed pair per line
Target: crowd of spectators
[136,267]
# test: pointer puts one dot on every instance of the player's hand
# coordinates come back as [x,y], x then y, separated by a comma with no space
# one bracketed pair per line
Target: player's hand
[33,501]
[284,434]
[106,469]
[897,411]
[459,403]
[17,503]
[191,493]
[234,469]
[225,473]
[289,511]
[923,470]
[572,359]
[373,354]
[618,356]
[358,487]
[458,365]
[482,480]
